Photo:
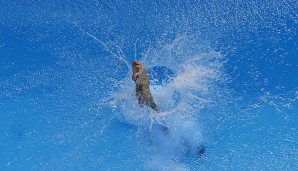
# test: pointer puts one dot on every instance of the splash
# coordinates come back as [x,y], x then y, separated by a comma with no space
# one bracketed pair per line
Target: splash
[191,83]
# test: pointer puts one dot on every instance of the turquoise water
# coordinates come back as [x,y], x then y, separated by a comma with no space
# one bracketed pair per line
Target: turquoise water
[224,74]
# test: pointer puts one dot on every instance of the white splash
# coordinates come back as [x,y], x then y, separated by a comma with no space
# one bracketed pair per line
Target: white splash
[191,89]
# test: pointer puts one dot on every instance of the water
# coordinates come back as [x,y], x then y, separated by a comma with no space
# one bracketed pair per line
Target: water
[222,72]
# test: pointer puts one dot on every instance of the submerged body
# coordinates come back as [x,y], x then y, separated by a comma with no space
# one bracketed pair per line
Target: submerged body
[141,79]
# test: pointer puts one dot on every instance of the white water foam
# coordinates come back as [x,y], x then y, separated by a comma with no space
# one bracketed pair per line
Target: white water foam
[198,69]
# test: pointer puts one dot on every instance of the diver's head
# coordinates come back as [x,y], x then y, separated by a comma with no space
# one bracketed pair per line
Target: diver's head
[136,67]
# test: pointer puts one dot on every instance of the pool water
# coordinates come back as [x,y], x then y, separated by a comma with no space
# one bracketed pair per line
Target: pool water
[223,73]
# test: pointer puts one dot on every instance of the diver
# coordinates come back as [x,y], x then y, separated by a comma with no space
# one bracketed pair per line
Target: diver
[141,79]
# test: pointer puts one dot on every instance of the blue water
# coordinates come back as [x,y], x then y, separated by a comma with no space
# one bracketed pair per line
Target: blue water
[224,74]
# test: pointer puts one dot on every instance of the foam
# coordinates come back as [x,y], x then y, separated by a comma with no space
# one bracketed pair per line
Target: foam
[190,89]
